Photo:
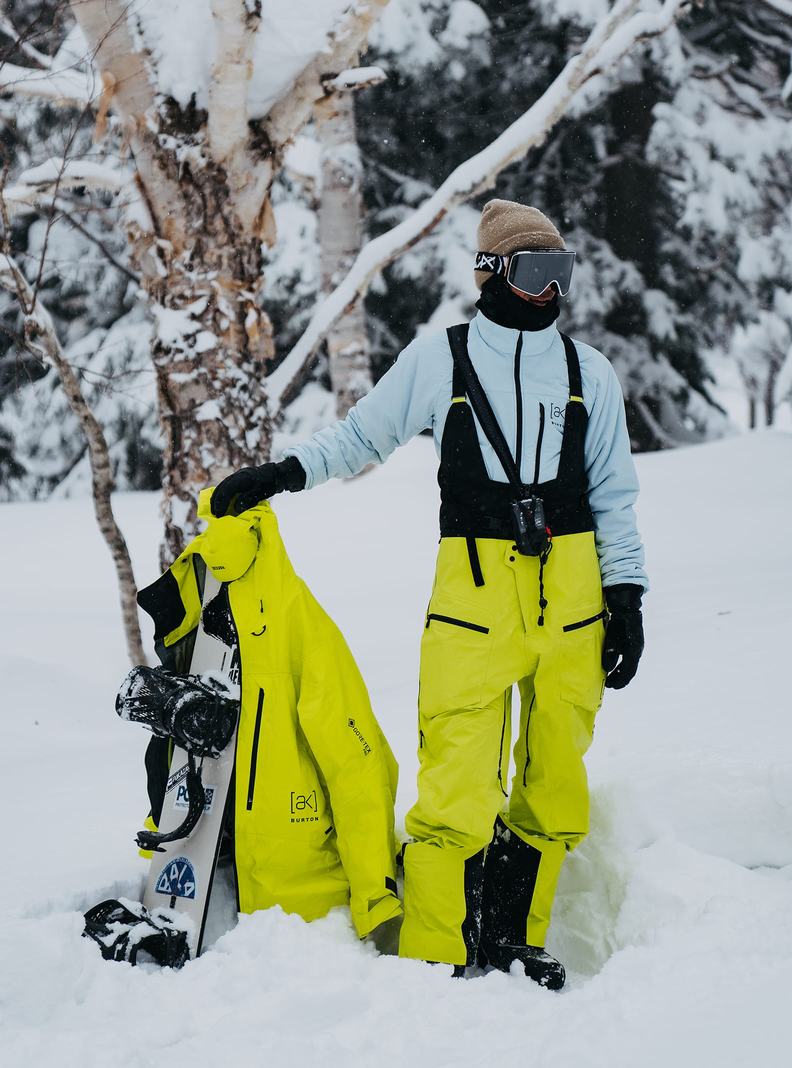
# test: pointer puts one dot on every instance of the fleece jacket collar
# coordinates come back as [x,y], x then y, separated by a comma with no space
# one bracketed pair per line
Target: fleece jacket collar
[502,340]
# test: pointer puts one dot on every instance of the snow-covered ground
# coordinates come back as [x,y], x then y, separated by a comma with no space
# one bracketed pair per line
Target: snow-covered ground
[674,917]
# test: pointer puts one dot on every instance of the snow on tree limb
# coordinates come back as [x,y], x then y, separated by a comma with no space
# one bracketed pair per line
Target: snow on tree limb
[354,78]
[782,6]
[608,42]
[348,38]
[59,86]
[235,32]
[41,339]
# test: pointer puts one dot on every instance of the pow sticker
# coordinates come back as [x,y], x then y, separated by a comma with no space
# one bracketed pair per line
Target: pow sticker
[177,879]
[182,800]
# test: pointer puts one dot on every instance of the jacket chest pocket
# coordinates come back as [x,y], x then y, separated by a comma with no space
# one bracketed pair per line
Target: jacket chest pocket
[456,648]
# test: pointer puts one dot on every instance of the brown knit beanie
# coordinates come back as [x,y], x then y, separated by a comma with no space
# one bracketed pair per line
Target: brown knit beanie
[507,226]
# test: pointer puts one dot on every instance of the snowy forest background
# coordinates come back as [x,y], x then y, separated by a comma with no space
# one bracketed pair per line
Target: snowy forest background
[669,173]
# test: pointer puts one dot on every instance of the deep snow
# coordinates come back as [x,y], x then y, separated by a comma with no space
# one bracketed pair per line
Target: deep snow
[674,917]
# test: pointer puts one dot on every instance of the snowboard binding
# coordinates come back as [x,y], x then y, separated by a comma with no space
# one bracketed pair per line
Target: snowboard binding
[123,930]
[199,714]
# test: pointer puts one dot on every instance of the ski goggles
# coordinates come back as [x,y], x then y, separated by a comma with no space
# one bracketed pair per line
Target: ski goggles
[531,272]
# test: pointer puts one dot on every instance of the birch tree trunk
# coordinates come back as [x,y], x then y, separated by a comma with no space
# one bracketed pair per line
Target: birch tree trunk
[205,179]
[340,240]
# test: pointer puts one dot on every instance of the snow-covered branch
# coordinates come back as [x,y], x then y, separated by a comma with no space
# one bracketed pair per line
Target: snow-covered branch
[58,174]
[59,86]
[611,39]
[343,45]
[235,25]
[354,78]
[784,7]
[42,340]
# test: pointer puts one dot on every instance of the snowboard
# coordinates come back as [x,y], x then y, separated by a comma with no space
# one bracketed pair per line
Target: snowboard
[181,872]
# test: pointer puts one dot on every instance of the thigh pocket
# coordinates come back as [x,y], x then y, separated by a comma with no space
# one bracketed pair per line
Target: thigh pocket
[455,654]
[582,679]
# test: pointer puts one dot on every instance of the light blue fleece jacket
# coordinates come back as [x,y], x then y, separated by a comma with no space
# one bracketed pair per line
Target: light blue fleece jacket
[415,395]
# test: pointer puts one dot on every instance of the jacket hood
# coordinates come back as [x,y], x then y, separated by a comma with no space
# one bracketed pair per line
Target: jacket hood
[230,543]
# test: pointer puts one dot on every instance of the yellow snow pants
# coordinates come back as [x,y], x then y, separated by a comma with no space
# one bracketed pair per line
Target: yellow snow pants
[477,643]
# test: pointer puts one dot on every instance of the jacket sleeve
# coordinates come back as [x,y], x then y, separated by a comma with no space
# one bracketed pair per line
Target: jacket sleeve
[401,405]
[613,485]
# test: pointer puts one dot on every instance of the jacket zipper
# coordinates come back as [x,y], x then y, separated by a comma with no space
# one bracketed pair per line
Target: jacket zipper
[254,751]
[586,622]
[539,438]
[519,405]
[456,623]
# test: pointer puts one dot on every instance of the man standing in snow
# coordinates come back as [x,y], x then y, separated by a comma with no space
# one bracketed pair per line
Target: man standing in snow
[539,582]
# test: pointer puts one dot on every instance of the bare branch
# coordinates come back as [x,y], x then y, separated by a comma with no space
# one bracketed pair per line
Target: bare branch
[41,340]
[609,41]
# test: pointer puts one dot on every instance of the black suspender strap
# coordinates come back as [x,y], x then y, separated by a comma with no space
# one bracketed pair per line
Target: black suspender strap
[475,563]
[573,369]
[457,339]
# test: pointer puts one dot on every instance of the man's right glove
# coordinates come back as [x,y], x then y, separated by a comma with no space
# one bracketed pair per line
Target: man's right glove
[624,637]
[245,488]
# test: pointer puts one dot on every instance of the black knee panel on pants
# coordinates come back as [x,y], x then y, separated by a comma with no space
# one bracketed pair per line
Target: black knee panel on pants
[510,872]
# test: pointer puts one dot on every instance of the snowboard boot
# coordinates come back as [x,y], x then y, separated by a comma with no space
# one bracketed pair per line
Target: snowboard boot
[538,965]
[510,872]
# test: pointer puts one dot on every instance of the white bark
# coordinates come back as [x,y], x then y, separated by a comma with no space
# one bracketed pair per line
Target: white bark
[41,339]
[340,238]
[610,40]
[235,31]
[104,24]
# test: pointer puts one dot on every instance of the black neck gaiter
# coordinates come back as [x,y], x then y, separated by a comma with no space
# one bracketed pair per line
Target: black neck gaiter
[502,306]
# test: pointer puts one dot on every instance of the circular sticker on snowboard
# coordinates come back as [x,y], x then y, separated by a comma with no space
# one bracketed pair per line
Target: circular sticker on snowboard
[177,879]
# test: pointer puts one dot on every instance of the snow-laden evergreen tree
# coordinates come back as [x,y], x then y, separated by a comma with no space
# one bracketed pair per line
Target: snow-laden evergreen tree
[668,181]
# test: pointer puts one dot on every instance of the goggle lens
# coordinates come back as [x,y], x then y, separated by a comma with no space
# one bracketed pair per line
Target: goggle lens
[533,272]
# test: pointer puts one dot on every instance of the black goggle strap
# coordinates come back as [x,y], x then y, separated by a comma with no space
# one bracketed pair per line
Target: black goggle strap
[491,261]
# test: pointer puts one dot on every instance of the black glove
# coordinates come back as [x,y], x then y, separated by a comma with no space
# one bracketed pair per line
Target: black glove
[624,637]
[247,487]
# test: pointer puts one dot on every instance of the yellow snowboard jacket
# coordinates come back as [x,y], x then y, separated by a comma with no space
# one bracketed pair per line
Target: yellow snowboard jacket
[315,779]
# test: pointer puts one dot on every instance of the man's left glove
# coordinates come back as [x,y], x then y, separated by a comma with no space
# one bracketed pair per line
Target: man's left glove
[247,487]
[624,637]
